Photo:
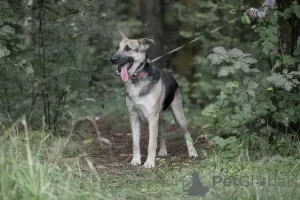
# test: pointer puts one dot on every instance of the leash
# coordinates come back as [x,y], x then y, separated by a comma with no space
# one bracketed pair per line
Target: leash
[196,39]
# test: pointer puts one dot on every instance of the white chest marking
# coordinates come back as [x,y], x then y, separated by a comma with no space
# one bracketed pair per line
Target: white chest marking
[146,106]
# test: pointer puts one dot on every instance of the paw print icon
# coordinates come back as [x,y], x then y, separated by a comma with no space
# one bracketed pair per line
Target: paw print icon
[195,188]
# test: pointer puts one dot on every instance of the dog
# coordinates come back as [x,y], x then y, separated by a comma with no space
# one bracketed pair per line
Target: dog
[149,92]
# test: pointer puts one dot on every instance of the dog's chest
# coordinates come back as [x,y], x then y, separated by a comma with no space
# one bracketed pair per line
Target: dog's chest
[138,101]
[143,105]
[133,92]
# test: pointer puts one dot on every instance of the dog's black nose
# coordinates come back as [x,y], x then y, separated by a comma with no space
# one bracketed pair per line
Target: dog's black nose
[113,60]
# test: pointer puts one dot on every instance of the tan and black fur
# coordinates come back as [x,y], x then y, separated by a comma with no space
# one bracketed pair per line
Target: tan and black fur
[149,92]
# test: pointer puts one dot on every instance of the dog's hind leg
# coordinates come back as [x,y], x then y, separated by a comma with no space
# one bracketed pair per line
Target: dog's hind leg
[178,114]
[162,143]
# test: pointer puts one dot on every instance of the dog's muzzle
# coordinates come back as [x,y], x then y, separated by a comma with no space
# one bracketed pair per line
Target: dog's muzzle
[124,64]
[122,61]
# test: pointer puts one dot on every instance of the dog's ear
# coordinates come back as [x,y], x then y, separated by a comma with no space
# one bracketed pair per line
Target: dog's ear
[145,43]
[122,34]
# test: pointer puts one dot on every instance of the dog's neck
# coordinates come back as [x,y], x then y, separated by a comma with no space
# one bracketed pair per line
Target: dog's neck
[144,81]
[140,73]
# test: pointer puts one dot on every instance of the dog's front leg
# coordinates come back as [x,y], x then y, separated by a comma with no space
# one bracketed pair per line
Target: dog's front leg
[153,131]
[135,129]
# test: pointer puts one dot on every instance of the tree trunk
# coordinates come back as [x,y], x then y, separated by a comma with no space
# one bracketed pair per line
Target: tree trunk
[151,17]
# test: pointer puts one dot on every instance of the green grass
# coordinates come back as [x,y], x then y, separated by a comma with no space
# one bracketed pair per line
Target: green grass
[56,168]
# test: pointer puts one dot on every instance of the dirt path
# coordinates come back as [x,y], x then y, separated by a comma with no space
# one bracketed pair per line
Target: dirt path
[119,134]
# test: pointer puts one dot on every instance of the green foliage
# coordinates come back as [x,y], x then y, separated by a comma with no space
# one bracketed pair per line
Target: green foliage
[237,99]
[234,60]
[246,104]
[258,100]
[63,67]
[201,17]
[287,80]
[4,51]
[223,142]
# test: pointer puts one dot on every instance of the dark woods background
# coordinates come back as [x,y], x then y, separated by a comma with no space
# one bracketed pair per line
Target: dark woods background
[54,61]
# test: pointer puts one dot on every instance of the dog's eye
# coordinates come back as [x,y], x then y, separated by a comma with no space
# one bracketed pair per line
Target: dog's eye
[127,48]
[117,47]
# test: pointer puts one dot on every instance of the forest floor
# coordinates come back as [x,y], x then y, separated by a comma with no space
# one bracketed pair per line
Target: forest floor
[118,133]
[172,175]
[78,167]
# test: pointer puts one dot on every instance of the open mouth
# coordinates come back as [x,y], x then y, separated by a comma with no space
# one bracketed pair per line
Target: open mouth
[123,70]
[128,65]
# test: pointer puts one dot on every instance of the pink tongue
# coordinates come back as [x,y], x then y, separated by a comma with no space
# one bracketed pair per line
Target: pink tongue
[124,73]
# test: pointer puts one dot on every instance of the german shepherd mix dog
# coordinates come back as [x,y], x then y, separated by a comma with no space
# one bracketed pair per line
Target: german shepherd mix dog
[149,92]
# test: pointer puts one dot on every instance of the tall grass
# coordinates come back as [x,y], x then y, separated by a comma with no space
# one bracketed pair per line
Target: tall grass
[42,168]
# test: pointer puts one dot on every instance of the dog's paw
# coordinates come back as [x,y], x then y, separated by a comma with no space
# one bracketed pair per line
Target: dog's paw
[148,164]
[162,153]
[135,162]
[193,153]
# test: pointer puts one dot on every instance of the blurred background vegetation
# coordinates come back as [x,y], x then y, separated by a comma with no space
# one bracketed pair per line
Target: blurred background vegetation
[54,60]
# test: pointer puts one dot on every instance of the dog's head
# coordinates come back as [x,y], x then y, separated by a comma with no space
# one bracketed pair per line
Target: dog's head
[131,53]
